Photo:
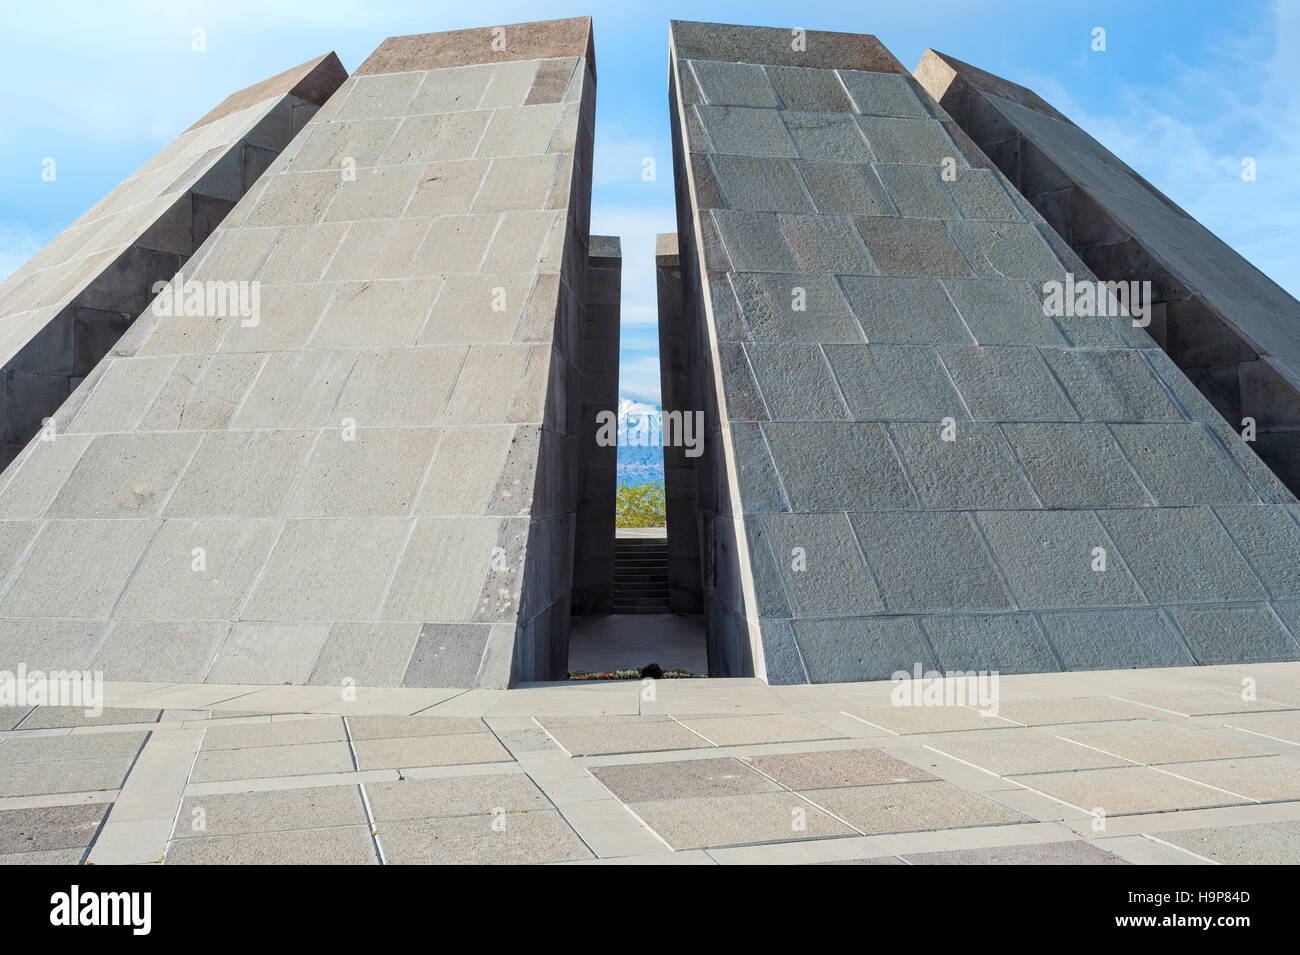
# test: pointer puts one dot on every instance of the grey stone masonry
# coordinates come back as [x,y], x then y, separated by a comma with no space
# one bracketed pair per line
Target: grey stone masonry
[63,310]
[371,476]
[685,593]
[1232,330]
[907,461]
[593,546]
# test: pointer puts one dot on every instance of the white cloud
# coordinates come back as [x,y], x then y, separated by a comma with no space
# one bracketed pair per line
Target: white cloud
[1188,137]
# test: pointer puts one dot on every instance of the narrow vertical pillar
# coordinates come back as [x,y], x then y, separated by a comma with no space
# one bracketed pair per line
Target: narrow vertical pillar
[593,557]
[685,594]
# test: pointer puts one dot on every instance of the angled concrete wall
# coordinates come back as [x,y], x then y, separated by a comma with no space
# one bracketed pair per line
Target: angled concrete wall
[65,308]
[852,308]
[1232,330]
[375,479]
[593,549]
[676,380]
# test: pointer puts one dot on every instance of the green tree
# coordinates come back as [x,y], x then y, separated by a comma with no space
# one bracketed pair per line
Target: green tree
[640,505]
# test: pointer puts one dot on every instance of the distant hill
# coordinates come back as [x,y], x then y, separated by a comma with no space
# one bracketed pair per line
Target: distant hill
[640,443]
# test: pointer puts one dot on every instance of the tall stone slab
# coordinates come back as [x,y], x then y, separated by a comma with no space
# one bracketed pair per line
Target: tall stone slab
[371,475]
[65,308]
[909,464]
[1231,329]
[593,548]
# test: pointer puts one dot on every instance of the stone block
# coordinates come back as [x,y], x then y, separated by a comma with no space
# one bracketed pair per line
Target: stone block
[1238,634]
[929,562]
[1267,537]
[882,94]
[1182,555]
[1181,463]
[809,89]
[266,653]
[1000,312]
[897,310]
[917,191]
[902,140]
[832,137]
[733,84]
[769,305]
[367,654]
[839,188]
[754,184]
[826,244]
[1009,250]
[1048,558]
[818,558]
[1111,385]
[240,474]
[893,382]
[746,132]
[1006,383]
[326,570]
[849,649]
[838,467]
[796,382]
[977,469]
[1004,643]
[447,655]
[911,247]
[77,569]
[1072,465]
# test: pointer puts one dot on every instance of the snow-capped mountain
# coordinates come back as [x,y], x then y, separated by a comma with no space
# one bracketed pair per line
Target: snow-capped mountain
[640,442]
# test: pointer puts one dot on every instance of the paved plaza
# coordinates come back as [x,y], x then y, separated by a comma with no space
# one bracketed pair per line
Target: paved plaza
[1163,766]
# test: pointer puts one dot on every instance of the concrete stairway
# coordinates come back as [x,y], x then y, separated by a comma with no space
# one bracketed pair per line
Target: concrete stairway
[641,575]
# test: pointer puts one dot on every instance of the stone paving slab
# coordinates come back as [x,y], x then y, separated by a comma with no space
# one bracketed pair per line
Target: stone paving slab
[681,779]
[218,815]
[1266,778]
[898,807]
[1262,844]
[835,768]
[1152,744]
[616,734]
[455,748]
[244,735]
[698,822]
[64,776]
[737,730]
[49,717]
[1014,752]
[49,828]
[1047,853]
[1129,790]
[454,796]
[258,761]
[351,845]
[530,837]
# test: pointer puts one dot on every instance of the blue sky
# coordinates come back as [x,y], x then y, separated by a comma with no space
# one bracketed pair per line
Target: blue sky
[1183,92]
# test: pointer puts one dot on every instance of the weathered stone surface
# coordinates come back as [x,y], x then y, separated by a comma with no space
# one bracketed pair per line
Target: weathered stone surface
[376,470]
[1027,491]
